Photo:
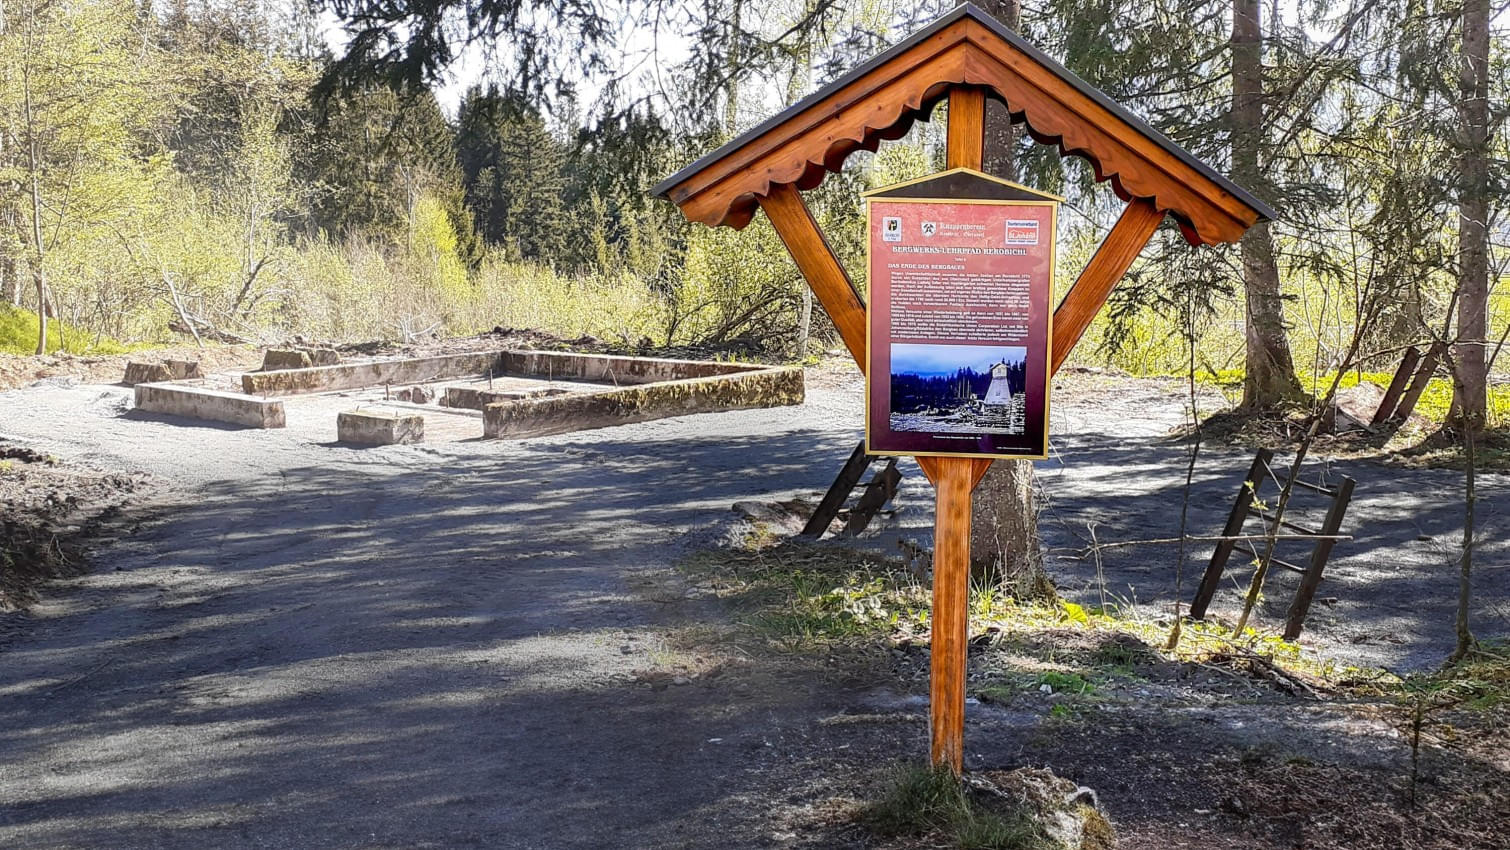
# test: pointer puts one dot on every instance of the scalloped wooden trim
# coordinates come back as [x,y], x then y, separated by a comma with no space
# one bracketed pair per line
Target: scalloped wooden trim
[881,106]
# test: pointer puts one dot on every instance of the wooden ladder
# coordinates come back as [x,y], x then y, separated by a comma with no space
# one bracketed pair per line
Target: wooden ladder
[1243,508]
[880,490]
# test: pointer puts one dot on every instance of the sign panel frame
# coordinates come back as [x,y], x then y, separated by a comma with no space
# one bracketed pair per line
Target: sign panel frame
[995,440]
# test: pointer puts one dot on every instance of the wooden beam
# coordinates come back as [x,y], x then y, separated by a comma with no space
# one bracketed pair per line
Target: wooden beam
[965,148]
[816,260]
[951,611]
[953,478]
[967,128]
[1112,260]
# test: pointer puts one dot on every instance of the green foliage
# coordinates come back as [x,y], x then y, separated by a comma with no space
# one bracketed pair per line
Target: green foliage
[18,335]
[1073,683]
[612,305]
[801,595]
[369,157]
[1479,682]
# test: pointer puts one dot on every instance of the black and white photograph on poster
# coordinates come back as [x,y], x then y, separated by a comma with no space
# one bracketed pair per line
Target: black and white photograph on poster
[963,389]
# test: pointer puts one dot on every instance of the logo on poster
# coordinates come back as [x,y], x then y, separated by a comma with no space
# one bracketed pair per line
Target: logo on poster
[930,228]
[1022,232]
[891,228]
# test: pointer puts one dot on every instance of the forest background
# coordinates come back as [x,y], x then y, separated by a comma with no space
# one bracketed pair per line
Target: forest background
[217,171]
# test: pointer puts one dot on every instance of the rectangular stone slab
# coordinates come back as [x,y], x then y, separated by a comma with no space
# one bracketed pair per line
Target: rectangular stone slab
[611,368]
[757,387]
[477,398]
[380,427]
[348,376]
[184,370]
[562,365]
[212,405]
[138,372]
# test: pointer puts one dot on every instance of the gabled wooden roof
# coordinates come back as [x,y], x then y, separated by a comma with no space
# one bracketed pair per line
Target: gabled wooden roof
[966,47]
[962,183]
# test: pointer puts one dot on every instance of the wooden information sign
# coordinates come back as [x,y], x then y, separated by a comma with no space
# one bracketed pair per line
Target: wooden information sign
[959,323]
[964,57]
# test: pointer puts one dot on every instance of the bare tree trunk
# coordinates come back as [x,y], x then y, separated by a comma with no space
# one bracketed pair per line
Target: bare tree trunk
[1001,133]
[804,318]
[11,272]
[34,168]
[1004,542]
[731,83]
[1471,388]
[796,87]
[10,266]
[1270,373]
[10,276]
[1465,640]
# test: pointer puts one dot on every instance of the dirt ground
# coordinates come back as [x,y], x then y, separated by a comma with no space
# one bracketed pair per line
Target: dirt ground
[485,643]
[49,511]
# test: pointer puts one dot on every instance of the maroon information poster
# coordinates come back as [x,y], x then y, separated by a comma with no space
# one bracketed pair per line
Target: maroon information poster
[959,327]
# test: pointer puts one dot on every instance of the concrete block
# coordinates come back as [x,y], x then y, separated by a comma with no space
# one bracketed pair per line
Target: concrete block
[184,370]
[324,357]
[146,373]
[212,405]
[416,395]
[767,386]
[347,376]
[154,373]
[477,398]
[613,369]
[279,359]
[380,427]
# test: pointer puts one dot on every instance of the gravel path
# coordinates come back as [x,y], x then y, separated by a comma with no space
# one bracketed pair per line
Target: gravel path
[478,643]
[451,646]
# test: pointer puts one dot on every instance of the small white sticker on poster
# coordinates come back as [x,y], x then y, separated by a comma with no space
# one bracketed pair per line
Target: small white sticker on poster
[1022,232]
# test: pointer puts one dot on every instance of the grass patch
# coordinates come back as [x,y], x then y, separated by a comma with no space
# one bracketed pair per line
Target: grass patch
[18,335]
[931,801]
[798,594]
[1479,682]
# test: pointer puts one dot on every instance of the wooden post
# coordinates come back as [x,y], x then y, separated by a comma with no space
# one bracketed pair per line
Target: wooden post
[953,478]
[1397,385]
[967,128]
[1301,605]
[951,611]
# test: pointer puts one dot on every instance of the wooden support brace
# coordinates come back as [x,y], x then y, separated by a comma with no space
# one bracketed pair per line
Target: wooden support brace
[819,265]
[880,490]
[1256,555]
[1423,377]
